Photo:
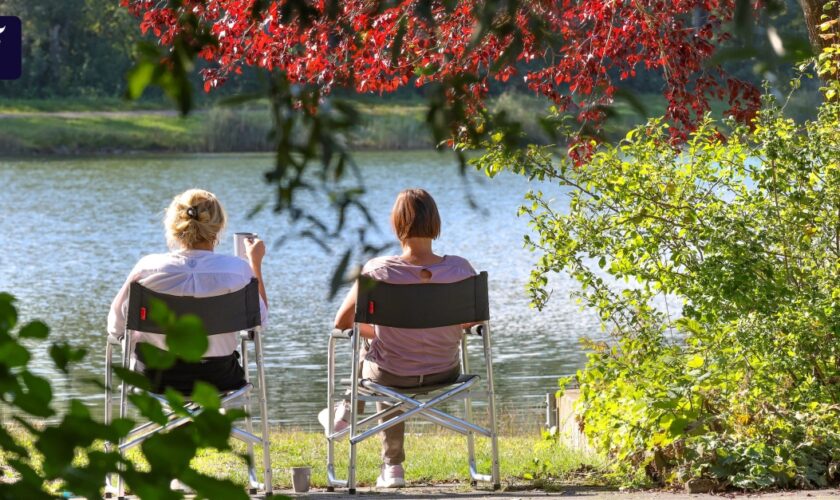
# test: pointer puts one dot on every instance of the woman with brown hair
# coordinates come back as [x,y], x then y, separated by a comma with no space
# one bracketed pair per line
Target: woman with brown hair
[194,223]
[402,357]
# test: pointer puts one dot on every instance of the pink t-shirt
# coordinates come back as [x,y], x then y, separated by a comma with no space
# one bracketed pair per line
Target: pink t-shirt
[409,351]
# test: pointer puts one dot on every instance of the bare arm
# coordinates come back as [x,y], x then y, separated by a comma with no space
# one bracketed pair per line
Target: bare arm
[344,316]
[255,251]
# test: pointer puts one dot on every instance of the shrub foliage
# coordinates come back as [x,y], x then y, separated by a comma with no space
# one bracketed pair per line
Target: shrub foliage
[716,269]
[68,457]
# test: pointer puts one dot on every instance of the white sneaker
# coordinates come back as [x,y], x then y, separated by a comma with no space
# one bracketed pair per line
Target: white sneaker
[391,476]
[341,419]
[176,485]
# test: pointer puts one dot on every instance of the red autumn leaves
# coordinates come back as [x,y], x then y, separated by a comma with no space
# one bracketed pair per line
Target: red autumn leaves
[576,53]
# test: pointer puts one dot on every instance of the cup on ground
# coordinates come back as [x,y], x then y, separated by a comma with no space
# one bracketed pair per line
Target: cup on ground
[300,479]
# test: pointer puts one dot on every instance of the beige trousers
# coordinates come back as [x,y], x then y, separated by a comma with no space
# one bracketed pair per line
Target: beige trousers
[393,437]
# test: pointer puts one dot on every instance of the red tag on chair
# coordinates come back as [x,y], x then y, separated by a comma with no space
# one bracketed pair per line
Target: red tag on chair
[143,314]
[370,307]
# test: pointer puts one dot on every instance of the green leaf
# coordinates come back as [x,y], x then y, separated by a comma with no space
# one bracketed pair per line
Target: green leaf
[170,454]
[154,357]
[176,402]
[13,354]
[149,407]
[206,395]
[132,378]
[677,426]
[187,339]
[64,354]
[696,361]
[34,330]
[211,487]
[160,314]
[139,78]
[8,313]
[212,429]
[36,400]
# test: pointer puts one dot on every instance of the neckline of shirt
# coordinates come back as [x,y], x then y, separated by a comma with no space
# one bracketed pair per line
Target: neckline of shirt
[193,252]
[442,261]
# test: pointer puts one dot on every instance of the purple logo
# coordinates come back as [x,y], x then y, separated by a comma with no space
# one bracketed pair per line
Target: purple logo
[10,47]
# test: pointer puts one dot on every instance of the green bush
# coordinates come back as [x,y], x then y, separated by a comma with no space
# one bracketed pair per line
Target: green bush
[65,455]
[716,269]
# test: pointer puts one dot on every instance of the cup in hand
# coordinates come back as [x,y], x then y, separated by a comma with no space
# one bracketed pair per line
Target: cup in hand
[239,243]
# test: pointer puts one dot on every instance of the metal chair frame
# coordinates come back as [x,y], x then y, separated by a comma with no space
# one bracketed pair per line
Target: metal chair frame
[407,399]
[240,397]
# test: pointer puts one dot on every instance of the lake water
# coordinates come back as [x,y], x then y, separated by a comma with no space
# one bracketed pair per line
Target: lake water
[72,229]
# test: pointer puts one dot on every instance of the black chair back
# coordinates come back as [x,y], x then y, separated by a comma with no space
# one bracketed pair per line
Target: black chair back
[424,305]
[235,311]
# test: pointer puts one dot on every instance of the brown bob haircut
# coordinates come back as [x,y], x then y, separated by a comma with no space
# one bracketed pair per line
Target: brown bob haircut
[415,215]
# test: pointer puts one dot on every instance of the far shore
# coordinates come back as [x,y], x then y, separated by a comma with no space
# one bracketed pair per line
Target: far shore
[78,127]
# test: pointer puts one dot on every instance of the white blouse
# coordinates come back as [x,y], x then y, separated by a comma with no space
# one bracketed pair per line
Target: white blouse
[197,273]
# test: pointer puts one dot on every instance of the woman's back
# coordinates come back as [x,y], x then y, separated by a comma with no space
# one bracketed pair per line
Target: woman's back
[196,273]
[408,351]
[194,222]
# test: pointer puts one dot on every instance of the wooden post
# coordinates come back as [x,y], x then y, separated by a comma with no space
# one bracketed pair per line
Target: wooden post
[567,424]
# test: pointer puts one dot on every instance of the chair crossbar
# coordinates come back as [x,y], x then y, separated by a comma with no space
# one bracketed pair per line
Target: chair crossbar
[438,415]
[245,436]
[228,399]
[171,424]
[382,414]
[418,408]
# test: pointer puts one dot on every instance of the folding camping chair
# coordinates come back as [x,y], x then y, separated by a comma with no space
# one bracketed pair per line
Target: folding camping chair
[415,306]
[234,312]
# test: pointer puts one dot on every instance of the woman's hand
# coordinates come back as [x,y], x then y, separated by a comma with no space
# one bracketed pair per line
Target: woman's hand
[254,251]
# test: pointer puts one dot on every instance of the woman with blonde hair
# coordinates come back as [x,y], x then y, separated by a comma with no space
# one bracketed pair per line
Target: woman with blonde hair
[194,223]
[403,357]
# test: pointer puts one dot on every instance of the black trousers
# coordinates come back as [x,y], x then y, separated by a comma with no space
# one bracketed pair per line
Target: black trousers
[222,372]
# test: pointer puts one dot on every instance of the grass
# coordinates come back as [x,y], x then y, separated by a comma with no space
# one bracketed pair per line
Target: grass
[93,134]
[77,104]
[434,458]
[430,458]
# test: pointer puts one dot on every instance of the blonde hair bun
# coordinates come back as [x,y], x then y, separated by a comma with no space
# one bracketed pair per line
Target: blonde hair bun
[193,218]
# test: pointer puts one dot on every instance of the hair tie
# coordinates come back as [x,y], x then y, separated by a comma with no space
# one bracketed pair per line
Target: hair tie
[192,213]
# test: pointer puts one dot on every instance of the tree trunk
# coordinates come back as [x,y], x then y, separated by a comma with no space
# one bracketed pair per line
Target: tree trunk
[813,9]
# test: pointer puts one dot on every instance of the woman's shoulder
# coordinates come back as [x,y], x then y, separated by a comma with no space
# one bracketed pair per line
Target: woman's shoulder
[204,261]
[152,261]
[459,265]
[231,263]
[393,267]
[382,262]
[457,260]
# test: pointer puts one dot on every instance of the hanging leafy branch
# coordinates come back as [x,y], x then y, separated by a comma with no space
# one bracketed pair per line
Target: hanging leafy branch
[66,456]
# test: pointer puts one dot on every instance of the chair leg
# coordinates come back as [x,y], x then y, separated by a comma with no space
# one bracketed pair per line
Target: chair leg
[468,416]
[330,413]
[253,482]
[491,408]
[108,407]
[354,396]
[123,405]
[263,396]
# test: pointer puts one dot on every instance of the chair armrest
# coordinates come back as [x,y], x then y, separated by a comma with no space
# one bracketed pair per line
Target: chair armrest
[338,333]
[477,330]
[114,340]
[247,335]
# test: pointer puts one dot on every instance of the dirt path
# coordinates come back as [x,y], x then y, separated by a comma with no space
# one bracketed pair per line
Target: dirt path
[458,492]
